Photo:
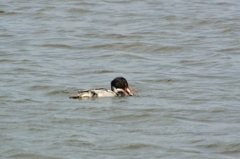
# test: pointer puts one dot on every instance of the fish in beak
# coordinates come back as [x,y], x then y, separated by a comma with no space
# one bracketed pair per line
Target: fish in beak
[127,90]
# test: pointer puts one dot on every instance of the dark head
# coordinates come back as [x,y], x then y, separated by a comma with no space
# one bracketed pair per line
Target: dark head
[120,84]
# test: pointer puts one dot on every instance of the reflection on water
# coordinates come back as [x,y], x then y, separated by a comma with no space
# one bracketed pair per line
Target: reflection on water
[181,57]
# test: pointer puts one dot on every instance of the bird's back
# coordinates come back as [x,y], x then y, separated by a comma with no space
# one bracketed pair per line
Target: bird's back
[92,93]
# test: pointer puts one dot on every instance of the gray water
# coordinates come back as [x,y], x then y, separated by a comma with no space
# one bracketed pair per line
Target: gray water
[182,58]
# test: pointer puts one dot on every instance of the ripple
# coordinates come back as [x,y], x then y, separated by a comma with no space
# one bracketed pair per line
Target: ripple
[61,46]
[32,155]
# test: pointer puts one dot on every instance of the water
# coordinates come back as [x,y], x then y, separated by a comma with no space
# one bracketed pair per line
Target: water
[182,57]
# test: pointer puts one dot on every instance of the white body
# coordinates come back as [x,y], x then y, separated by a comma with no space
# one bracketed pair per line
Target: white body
[99,92]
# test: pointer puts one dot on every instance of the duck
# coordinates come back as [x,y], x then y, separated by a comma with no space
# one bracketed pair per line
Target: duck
[119,88]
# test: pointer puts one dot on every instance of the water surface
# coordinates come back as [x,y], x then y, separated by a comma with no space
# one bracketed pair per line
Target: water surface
[182,57]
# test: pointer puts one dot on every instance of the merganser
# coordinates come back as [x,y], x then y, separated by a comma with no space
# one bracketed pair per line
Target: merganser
[119,88]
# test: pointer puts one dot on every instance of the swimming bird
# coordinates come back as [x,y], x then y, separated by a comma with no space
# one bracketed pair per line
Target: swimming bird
[119,88]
